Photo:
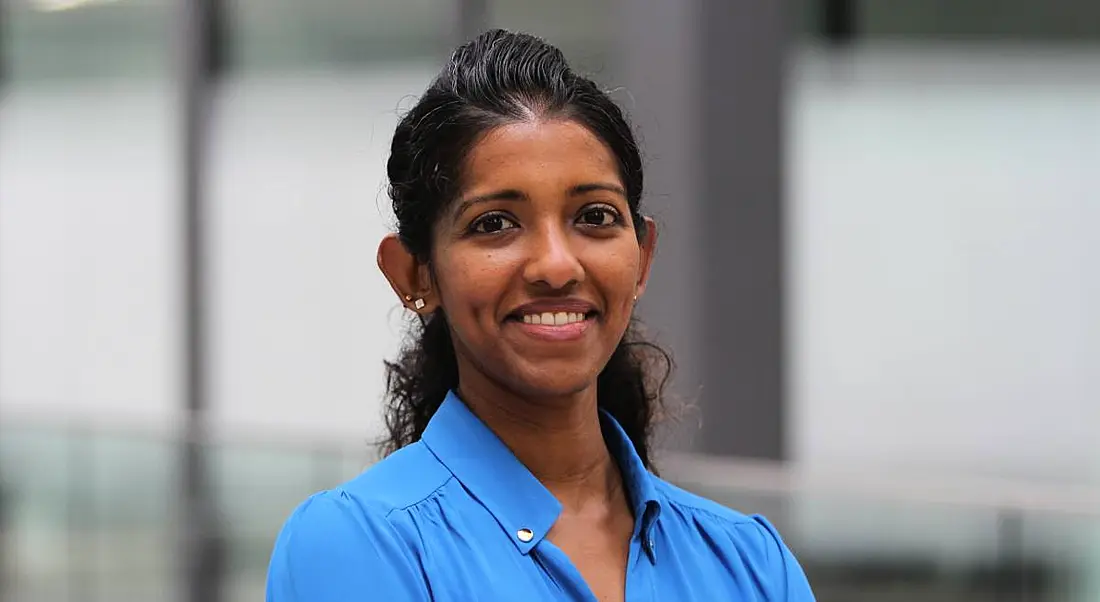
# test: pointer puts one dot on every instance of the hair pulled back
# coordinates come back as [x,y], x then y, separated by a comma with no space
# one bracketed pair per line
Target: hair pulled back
[497,79]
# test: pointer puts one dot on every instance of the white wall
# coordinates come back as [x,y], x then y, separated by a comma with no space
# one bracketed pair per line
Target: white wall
[944,221]
[88,250]
[304,317]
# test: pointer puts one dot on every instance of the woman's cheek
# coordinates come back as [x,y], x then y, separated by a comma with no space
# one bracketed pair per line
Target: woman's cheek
[619,268]
[474,283]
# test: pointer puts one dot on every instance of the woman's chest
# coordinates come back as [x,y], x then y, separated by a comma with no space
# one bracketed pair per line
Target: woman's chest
[546,573]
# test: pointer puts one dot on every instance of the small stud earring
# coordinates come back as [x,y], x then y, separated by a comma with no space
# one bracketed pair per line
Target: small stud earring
[419,304]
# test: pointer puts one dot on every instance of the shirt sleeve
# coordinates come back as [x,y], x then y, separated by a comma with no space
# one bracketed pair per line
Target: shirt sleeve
[331,550]
[787,575]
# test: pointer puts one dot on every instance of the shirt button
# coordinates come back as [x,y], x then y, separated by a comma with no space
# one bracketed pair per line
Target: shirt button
[525,535]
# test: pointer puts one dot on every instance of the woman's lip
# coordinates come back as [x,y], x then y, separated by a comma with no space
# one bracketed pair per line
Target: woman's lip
[518,316]
[575,306]
[554,332]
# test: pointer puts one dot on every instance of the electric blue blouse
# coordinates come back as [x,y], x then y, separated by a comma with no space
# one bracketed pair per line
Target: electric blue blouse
[456,517]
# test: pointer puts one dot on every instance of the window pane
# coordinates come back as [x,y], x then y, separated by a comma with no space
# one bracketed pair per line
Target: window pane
[87,193]
[289,35]
[943,20]
[583,29]
[52,39]
[298,207]
[1004,19]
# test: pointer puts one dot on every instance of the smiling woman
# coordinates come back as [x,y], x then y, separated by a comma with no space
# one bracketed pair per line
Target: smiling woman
[520,412]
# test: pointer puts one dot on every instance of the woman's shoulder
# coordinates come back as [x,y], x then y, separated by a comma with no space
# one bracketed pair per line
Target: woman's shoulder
[351,537]
[685,502]
[397,482]
[334,548]
[748,532]
[750,541]
[368,506]
[400,480]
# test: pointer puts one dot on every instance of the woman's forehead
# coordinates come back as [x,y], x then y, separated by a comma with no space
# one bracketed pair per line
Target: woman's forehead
[549,147]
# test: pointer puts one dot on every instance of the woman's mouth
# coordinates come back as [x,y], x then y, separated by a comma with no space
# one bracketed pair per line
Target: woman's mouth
[554,325]
[560,318]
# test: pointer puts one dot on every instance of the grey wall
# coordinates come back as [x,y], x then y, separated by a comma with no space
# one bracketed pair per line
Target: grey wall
[706,94]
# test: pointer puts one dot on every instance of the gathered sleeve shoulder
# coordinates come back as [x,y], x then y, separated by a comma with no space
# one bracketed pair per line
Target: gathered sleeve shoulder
[748,548]
[332,549]
[772,561]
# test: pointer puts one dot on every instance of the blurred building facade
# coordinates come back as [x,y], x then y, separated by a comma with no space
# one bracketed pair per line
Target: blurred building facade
[892,269]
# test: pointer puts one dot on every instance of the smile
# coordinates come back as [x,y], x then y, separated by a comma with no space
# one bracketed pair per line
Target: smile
[554,324]
[560,318]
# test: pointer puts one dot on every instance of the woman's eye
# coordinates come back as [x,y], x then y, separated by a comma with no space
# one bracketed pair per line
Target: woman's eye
[492,223]
[599,216]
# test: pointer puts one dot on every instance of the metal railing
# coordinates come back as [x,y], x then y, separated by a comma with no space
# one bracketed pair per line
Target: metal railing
[91,510]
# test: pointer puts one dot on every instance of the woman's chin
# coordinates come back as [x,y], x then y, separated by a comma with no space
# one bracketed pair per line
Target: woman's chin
[549,381]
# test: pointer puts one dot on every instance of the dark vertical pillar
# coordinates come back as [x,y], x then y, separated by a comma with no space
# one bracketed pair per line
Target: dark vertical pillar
[472,19]
[4,578]
[741,97]
[4,74]
[202,54]
[1011,579]
[660,92]
[708,97]
[5,25]
[838,20]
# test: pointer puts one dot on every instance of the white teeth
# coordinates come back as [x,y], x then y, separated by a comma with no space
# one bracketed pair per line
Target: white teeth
[560,318]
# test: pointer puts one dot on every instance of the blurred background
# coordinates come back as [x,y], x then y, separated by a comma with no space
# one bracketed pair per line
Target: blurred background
[878,274]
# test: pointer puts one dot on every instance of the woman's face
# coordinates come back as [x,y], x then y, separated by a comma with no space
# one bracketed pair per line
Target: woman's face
[537,264]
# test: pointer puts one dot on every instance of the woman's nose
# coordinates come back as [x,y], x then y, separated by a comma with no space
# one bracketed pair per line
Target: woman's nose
[553,261]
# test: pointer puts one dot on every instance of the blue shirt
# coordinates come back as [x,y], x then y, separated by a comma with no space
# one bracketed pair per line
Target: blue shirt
[456,517]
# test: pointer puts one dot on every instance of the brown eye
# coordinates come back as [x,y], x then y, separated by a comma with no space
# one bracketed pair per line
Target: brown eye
[599,216]
[492,223]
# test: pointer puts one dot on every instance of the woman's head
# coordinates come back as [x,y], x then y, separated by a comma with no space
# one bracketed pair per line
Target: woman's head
[517,185]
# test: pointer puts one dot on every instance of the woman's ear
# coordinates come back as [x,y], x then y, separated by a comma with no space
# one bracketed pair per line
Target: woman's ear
[648,249]
[408,277]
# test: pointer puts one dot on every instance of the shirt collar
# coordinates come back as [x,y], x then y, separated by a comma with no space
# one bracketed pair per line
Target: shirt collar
[640,488]
[521,505]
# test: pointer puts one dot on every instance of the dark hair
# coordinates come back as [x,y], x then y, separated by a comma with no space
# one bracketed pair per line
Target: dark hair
[497,79]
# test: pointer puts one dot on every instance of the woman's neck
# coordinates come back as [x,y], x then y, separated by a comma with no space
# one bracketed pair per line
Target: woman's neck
[560,440]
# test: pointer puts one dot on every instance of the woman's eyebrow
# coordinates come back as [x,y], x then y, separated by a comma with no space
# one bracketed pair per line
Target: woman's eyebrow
[580,189]
[511,194]
[499,195]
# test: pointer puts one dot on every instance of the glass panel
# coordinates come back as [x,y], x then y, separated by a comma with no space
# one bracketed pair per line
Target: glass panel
[583,29]
[67,39]
[35,470]
[257,488]
[298,206]
[856,550]
[133,483]
[87,241]
[90,515]
[1052,21]
[290,35]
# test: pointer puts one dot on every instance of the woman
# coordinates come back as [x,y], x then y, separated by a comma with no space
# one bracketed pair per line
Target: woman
[519,416]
